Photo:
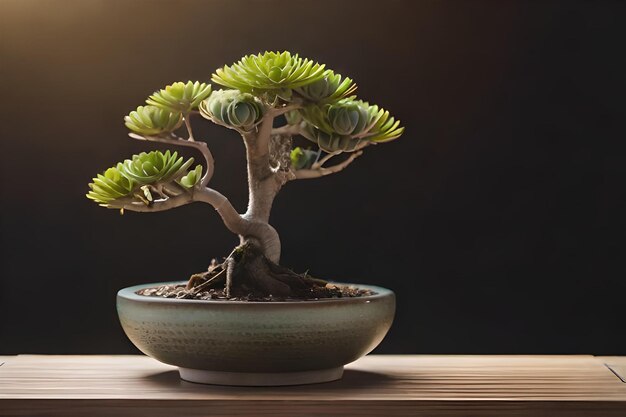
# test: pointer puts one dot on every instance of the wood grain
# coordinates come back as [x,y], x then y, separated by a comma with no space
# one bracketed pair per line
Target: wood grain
[402,385]
[4,359]
[617,364]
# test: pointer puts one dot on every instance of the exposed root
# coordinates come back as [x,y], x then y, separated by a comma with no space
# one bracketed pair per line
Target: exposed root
[203,277]
[211,282]
[230,266]
[246,272]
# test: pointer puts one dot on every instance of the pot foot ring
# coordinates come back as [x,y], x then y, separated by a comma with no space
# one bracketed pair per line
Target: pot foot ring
[260,379]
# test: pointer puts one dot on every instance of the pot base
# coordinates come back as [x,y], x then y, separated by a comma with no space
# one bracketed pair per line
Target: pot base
[260,379]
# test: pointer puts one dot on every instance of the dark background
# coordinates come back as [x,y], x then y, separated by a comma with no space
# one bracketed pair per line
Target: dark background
[498,218]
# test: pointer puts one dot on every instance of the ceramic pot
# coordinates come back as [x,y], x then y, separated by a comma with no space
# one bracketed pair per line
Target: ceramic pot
[256,343]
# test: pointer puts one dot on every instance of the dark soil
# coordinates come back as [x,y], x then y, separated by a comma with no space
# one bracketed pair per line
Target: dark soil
[181,292]
[247,275]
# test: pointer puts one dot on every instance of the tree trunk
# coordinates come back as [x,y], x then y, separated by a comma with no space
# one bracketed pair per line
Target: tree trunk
[263,185]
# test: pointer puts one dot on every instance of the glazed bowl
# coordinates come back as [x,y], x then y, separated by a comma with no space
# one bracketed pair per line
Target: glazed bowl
[256,343]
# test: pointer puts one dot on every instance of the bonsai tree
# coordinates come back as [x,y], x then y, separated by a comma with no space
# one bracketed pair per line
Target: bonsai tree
[313,102]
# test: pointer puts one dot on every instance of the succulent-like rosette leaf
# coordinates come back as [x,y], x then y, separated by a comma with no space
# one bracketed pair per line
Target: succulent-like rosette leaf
[152,120]
[345,124]
[385,128]
[331,87]
[348,117]
[233,108]
[192,178]
[332,142]
[134,177]
[293,117]
[155,166]
[303,158]
[269,72]
[110,185]
[180,97]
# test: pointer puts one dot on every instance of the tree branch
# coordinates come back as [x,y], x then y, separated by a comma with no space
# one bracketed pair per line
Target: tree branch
[262,136]
[265,234]
[321,162]
[287,130]
[236,223]
[321,172]
[188,126]
[277,111]
[174,140]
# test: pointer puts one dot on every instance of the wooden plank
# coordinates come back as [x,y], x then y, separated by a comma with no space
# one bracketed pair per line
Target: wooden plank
[375,385]
[306,408]
[617,364]
[5,359]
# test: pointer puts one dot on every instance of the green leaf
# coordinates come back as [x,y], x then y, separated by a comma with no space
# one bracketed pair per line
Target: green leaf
[110,185]
[330,88]
[293,117]
[192,178]
[152,120]
[269,72]
[332,142]
[180,97]
[132,177]
[344,125]
[233,108]
[303,158]
[155,166]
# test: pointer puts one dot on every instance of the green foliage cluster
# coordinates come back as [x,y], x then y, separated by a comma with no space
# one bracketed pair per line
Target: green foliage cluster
[326,112]
[329,88]
[344,125]
[166,108]
[180,97]
[329,112]
[153,168]
[152,120]
[233,108]
[269,72]
[331,115]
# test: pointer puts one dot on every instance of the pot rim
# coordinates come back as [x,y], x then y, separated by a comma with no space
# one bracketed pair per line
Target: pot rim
[129,293]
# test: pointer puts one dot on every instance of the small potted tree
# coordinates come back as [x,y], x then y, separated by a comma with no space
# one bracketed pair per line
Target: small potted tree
[247,320]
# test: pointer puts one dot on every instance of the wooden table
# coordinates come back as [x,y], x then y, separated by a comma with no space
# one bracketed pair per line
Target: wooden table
[415,385]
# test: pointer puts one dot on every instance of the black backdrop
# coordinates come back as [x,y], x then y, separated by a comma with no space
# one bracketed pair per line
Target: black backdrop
[498,218]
